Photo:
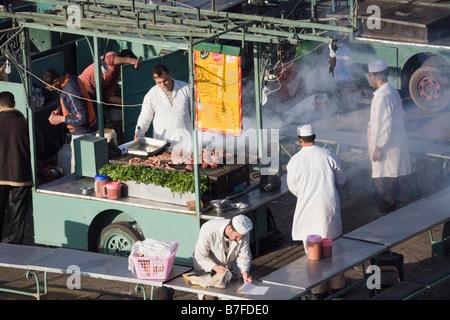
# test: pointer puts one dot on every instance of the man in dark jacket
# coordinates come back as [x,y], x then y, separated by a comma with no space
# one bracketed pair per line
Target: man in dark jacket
[15,167]
[75,110]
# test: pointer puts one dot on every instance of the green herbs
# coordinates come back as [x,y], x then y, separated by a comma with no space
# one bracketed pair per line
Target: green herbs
[176,181]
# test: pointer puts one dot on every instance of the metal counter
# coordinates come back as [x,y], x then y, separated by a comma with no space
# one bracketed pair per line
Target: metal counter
[306,274]
[406,222]
[252,196]
[275,291]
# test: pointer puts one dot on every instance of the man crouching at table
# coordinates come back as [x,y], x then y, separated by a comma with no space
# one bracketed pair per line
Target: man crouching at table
[224,244]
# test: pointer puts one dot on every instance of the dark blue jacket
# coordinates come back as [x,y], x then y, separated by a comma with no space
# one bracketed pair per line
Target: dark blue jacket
[76,106]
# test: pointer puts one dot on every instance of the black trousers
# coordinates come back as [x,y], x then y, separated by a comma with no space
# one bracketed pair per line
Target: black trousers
[20,203]
[390,192]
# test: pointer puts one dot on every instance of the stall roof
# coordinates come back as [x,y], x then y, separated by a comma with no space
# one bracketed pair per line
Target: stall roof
[175,27]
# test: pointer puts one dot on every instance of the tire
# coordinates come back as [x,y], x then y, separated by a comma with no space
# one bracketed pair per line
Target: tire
[118,238]
[430,88]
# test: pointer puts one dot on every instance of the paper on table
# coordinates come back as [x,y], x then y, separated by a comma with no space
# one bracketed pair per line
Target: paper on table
[249,288]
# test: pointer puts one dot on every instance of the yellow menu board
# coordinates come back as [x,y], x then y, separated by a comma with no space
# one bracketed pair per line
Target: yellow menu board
[218,103]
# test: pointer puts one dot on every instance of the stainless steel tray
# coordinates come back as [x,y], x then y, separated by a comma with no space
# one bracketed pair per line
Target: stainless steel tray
[146,146]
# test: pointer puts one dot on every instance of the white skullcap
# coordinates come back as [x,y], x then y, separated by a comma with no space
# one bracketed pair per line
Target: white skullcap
[242,224]
[377,66]
[305,130]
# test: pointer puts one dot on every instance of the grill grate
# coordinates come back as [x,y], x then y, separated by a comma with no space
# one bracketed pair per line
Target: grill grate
[211,173]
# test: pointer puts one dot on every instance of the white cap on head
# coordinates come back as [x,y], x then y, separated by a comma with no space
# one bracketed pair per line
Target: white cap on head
[242,224]
[377,66]
[305,130]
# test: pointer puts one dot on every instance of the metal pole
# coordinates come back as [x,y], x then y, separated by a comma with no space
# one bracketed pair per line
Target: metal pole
[195,151]
[257,74]
[98,85]
[29,107]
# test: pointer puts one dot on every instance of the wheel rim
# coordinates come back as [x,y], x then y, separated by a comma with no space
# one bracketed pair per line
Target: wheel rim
[429,89]
[118,245]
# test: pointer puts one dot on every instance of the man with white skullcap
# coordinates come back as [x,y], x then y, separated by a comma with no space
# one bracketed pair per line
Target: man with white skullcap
[386,136]
[223,244]
[312,175]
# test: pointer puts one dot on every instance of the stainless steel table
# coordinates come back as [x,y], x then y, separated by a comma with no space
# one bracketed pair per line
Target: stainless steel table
[99,265]
[22,257]
[307,274]
[68,261]
[275,291]
[406,222]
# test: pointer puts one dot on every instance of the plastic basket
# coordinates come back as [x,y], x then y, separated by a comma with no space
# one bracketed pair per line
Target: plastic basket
[154,268]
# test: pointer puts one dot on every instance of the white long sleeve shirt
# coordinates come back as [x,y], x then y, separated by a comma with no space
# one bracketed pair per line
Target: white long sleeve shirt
[210,249]
[312,174]
[171,121]
[386,130]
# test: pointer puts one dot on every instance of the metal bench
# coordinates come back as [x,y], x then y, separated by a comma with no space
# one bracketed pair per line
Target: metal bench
[417,285]
[63,261]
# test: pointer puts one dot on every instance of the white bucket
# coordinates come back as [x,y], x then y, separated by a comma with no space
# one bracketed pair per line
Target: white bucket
[109,134]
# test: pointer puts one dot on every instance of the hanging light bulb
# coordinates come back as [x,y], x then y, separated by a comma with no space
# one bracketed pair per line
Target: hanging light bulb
[8,67]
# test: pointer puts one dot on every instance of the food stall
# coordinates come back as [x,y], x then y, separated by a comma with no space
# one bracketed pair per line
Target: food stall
[66,214]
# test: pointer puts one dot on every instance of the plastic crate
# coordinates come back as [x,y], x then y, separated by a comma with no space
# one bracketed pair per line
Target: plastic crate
[154,268]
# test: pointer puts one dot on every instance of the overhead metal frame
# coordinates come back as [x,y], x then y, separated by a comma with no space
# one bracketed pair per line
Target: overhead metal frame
[175,25]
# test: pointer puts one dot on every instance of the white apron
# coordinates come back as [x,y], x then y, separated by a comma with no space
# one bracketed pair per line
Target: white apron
[386,130]
[311,176]
[171,122]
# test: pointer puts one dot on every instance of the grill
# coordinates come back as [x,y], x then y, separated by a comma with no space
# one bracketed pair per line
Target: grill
[224,178]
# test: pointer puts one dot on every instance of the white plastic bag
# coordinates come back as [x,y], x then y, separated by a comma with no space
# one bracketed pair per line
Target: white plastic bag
[150,248]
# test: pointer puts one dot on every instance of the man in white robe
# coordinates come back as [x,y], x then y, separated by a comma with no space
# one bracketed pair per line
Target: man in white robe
[223,246]
[166,105]
[387,141]
[312,175]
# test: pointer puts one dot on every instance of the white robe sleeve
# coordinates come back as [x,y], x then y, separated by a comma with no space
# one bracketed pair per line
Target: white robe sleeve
[147,113]
[339,175]
[202,252]
[385,116]
[291,178]
[244,258]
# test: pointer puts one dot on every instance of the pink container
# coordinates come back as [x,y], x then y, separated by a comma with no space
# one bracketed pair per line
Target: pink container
[153,267]
[314,247]
[327,247]
[113,190]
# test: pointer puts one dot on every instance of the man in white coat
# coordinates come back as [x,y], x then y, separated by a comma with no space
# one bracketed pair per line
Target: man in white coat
[167,105]
[312,175]
[223,245]
[387,141]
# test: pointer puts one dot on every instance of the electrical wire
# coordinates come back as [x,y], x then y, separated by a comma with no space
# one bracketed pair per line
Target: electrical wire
[284,67]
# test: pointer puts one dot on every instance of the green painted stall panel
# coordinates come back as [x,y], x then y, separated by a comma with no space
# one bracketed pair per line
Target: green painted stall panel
[53,61]
[136,84]
[61,220]
[362,55]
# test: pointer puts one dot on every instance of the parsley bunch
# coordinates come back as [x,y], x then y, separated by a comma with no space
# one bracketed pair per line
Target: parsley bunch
[176,181]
